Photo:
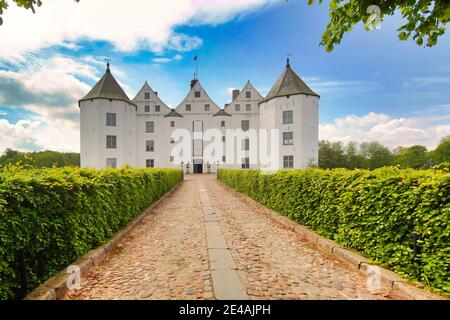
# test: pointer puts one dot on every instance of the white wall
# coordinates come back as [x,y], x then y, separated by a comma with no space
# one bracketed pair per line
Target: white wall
[304,127]
[94,131]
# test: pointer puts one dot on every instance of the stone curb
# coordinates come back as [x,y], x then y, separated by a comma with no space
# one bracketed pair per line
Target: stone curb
[389,280]
[55,287]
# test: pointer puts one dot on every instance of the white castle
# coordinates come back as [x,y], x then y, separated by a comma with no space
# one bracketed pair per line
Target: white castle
[117,131]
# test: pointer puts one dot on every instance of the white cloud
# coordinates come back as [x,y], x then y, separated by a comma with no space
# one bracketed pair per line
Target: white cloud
[49,88]
[161,60]
[37,135]
[322,85]
[426,81]
[128,26]
[392,132]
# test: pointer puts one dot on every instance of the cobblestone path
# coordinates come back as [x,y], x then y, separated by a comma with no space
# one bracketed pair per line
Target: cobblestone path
[206,242]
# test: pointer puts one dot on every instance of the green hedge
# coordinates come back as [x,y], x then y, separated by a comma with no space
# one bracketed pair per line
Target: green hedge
[377,213]
[67,212]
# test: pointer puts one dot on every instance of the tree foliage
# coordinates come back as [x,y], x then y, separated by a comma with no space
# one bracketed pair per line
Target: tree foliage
[373,155]
[426,20]
[41,159]
[27,4]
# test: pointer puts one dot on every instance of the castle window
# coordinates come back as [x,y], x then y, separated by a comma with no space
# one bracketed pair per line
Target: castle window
[172,124]
[288,117]
[149,126]
[248,95]
[222,123]
[246,144]
[245,125]
[147,109]
[207,107]
[197,94]
[111,142]
[147,95]
[111,162]
[111,119]
[150,145]
[150,163]
[288,138]
[288,162]
[248,107]
[188,107]
[237,107]
[157,108]
[245,163]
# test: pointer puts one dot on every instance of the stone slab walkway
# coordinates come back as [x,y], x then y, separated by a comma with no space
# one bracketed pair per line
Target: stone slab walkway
[205,242]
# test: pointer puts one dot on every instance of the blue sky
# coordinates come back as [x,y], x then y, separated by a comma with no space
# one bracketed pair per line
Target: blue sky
[372,86]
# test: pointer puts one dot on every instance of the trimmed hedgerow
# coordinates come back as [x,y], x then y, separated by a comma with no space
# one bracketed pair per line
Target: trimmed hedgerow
[398,218]
[59,214]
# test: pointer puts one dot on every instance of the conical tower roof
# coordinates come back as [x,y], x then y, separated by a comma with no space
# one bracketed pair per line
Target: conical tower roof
[107,88]
[288,84]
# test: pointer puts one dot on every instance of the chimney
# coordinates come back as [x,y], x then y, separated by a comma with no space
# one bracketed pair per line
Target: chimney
[193,82]
[235,94]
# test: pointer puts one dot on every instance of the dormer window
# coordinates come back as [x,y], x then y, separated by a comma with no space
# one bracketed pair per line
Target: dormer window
[248,94]
[197,94]
[188,107]
[147,95]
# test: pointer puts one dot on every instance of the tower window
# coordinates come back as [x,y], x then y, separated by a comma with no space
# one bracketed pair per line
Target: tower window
[246,144]
[149,126]
[288,138]
[288,162]
[150,145]
[245,125]
[222,123]
[245,163]
[288,117]
[150,163]
[172,124]
[111,142]
[111,119]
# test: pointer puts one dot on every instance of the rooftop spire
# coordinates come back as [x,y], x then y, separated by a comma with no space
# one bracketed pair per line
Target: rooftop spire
[288,61]
[107,65]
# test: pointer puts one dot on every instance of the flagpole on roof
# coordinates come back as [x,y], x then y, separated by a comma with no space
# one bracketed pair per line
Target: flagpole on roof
[196,67]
